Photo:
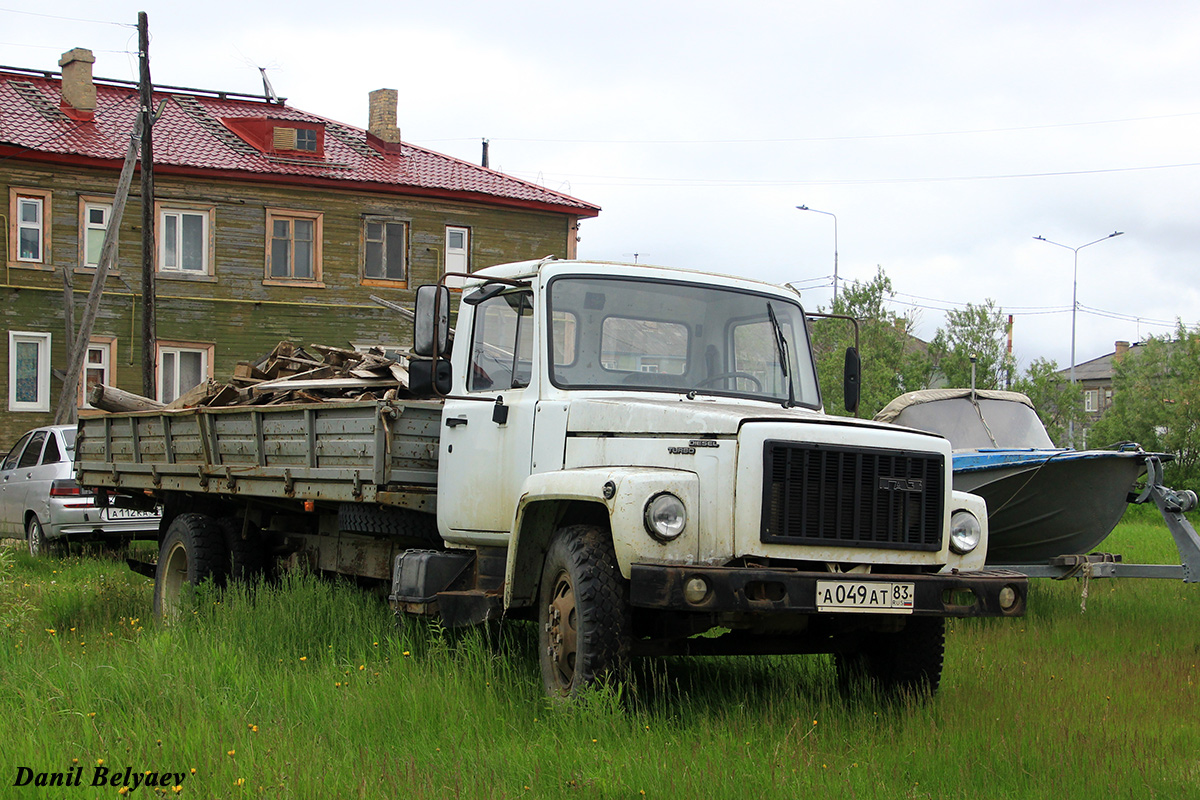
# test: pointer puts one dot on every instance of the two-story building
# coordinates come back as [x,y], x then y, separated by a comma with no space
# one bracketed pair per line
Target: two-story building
[270,224]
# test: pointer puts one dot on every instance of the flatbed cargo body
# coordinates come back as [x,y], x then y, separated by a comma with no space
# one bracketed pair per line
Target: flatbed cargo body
[371,452]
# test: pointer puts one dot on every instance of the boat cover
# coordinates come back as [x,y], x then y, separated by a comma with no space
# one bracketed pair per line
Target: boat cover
[971,420]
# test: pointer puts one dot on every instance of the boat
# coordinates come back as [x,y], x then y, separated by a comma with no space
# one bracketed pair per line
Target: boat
[1043,501]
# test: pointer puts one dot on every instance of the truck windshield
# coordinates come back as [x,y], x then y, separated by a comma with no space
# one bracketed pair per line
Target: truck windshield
[653,335]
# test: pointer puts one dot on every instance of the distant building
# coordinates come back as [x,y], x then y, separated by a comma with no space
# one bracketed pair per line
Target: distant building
[1095,380]
[271,223]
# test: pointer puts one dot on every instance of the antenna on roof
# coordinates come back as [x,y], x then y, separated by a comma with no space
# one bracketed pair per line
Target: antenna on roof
[268,91]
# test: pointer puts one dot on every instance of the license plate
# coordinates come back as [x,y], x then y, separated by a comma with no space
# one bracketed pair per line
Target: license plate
[128,513]
[878,598]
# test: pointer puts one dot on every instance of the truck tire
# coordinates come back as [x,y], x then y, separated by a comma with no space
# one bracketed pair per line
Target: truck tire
[192,550]
[247,557]
[583,612]
[908,661]
[384,521]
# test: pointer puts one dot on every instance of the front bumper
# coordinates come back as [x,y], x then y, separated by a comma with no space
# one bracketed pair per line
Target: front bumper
[787,590]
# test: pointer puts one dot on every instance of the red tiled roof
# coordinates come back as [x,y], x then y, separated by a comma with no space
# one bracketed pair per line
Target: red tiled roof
[189,138]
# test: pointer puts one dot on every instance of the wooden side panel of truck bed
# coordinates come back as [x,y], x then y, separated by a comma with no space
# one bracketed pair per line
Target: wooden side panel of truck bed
[346,452]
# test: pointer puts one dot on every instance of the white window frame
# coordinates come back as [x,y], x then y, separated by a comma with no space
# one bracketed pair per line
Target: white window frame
[174,350]
[1091,400]
[88,230]
[178,212]
[42,340]
[458,259]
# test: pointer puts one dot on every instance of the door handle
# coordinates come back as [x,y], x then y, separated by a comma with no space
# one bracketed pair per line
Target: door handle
[454,422]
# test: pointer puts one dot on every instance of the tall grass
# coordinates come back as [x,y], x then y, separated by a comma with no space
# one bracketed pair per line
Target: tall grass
[312,689]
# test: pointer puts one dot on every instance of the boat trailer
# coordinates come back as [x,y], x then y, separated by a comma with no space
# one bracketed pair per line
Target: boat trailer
[1171,504]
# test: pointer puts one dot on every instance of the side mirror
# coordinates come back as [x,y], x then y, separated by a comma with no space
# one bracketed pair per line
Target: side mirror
[431,323]
[427,378]
[852,379]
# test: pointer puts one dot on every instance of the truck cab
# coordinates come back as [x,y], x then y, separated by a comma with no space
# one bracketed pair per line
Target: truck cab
[645,451]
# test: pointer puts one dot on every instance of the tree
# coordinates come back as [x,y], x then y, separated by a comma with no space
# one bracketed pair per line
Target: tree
[1056,400]
[979,331]
[892,359]
[1156,402]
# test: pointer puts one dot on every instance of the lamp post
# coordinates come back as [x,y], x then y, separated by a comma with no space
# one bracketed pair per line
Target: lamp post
[835,254]
[1074,308]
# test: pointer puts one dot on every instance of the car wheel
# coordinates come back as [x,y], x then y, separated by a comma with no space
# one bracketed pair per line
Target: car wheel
[192,551]
[35,535]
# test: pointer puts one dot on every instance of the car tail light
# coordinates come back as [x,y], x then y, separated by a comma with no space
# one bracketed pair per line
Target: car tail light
[67,487]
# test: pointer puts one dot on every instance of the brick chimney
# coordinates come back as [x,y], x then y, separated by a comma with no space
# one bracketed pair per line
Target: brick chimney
[382,126]
[78,90]
[1120,349]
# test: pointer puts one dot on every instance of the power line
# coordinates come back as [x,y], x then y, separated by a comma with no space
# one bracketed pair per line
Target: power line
[667,183]
[67,19]
[844,138]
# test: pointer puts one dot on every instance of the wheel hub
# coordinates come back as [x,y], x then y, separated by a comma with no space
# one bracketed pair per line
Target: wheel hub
[561,630]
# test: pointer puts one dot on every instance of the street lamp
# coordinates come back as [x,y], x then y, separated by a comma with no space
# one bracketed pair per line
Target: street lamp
[1074,308]
[835,263]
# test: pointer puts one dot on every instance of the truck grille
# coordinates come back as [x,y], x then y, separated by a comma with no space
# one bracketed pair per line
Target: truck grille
[852,497]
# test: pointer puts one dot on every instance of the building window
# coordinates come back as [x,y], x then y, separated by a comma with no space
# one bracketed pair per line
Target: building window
[294,246]
[28,371]
[385,245]
[97,368]
[93,224]
[458,249]
[29,225]
[184,241]
[306,140]
[180,368]
[1091,400]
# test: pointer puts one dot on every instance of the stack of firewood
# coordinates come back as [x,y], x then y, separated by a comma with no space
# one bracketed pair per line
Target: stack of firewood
[288,374]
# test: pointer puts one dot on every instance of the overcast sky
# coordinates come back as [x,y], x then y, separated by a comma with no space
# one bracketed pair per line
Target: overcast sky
[944,136]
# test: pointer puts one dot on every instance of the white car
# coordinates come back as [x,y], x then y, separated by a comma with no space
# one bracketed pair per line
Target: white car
[40,501]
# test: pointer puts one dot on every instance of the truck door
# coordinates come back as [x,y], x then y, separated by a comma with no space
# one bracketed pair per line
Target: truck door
[486,449]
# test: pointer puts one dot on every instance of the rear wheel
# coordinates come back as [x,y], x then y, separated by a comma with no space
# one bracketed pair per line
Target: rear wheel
[907,661]
[583,612]
[192,551]
[35,536]
[247,555]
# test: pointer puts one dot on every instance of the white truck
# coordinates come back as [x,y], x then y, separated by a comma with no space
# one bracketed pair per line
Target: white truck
[631,456]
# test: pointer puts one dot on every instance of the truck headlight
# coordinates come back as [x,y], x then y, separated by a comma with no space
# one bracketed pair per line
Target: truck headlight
[965,532]
[665,516]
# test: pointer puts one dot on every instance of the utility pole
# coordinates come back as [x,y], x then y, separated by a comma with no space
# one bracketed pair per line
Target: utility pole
[108,254]
[149,327]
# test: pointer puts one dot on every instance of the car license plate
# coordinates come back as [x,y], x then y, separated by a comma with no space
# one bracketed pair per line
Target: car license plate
[115,514]
[877,598]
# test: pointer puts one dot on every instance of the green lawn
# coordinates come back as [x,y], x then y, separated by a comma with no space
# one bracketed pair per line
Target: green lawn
[312,690]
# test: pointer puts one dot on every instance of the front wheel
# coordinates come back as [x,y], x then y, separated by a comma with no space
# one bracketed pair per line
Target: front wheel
[906,661]
[583,612]
[193,550]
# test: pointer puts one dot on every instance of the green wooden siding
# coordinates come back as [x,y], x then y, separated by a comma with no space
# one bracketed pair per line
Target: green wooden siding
[234,310]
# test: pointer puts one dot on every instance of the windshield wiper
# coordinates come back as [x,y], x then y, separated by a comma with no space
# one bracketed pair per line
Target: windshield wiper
[781,349]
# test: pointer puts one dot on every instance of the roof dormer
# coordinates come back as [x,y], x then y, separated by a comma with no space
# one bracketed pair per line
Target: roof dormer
[283,137]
